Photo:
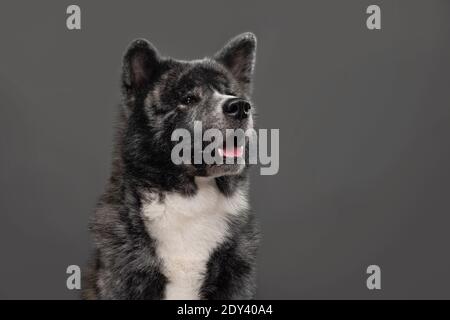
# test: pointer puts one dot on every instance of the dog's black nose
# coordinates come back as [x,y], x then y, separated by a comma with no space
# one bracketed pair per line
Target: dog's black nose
[237,108]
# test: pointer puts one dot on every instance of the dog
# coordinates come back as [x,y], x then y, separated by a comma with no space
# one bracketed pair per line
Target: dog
[177,231]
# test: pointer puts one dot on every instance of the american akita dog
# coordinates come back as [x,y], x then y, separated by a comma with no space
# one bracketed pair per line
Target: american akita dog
[167,231]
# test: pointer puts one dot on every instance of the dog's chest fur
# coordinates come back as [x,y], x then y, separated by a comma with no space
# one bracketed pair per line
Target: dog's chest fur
[187,230]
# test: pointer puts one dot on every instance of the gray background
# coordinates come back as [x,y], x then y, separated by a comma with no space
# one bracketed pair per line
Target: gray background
[364,127]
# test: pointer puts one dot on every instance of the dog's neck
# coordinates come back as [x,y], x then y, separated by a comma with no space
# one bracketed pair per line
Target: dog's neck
[187,230]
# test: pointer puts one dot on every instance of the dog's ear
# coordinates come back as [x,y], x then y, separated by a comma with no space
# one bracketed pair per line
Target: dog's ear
[238,56]
[140,66]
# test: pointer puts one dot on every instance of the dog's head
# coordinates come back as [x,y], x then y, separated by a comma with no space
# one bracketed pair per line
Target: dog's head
[162,95]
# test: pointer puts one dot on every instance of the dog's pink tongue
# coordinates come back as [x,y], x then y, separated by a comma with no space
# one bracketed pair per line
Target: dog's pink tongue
[233,152]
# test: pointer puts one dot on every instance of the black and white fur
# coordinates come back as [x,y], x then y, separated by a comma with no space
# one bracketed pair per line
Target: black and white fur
[166,231]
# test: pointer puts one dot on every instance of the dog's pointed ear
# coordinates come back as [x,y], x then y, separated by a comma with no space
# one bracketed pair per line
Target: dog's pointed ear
[238,56]
[140,66]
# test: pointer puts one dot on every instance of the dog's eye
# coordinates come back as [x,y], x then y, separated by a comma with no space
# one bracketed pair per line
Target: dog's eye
[189,100]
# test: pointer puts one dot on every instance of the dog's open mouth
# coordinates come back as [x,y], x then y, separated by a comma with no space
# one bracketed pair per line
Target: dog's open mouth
[232,149]
[231,152]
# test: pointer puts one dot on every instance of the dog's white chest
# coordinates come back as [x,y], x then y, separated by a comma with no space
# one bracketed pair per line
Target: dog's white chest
[187,230]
